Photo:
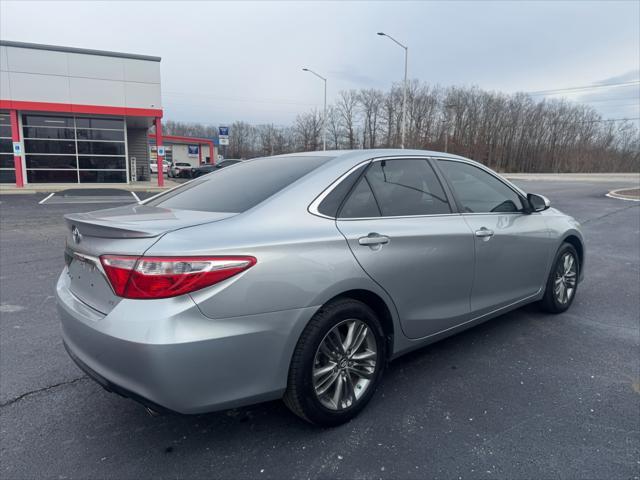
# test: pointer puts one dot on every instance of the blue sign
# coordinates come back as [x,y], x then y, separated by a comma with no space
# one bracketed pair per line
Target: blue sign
[193,150]
[223,131]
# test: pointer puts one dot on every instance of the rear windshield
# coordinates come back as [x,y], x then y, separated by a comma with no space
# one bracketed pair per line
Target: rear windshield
[239,187]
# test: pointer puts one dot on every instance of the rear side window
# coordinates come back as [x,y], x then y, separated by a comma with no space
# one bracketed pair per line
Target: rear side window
[332,202]
[239,187]
[361,203]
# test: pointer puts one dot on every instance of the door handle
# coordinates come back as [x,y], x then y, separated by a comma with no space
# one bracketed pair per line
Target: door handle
[484,233]
[373,239]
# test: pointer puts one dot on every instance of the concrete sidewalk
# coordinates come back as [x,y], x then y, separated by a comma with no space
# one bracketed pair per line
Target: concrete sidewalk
[146,186]
[632,178]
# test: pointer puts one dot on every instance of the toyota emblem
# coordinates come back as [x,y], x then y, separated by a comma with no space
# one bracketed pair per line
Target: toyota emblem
[77,236]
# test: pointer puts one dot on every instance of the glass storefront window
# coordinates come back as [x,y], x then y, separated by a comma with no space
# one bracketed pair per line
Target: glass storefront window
[6,160]
[52,176]
[50,146]
[111,123]
[72,149]
[49,132]
[86,134]
[46,121]
[7,171]
[107,163]
[6,145]
[51,161]
[102,176]
[7,175]
[101,148]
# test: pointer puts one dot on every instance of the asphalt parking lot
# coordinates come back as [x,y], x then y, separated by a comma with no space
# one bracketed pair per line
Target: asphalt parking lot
[526,395]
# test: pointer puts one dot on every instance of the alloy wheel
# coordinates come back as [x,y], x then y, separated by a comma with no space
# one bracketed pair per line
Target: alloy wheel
[566,277]
[344,364]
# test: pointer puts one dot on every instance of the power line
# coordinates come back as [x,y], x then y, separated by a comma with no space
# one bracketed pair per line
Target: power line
[609,120]
[584,87]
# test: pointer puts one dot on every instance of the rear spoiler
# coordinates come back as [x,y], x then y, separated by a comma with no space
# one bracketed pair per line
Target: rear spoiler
[93,227]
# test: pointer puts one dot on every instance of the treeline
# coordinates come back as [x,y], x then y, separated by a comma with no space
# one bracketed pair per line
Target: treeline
[509,133]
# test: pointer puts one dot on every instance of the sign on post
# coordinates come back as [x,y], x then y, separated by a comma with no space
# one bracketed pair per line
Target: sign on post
[161,151]
[223,132]
[134,169]
[224,141]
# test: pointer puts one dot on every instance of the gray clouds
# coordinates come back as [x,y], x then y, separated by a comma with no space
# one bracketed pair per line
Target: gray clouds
[223,61]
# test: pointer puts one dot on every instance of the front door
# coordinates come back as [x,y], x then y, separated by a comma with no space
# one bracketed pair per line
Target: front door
[512,247]
[402,230]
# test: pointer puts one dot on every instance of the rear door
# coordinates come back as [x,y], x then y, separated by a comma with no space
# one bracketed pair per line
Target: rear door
[402,229]
[512,246]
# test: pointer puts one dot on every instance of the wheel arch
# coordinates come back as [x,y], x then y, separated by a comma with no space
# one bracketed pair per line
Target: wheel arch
[379,306]
[576,242]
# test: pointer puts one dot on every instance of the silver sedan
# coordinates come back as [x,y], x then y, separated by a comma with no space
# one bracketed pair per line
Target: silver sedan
[300,276]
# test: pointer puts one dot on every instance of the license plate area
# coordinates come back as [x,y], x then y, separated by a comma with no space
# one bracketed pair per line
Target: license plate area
[89,283]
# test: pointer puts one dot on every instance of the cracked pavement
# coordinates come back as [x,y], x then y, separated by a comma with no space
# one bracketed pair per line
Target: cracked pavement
[526,395]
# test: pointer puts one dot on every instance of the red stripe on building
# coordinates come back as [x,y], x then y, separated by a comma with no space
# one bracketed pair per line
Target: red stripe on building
[77,108]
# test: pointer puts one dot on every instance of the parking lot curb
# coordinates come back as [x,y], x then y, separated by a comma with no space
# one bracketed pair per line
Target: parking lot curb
[621,196]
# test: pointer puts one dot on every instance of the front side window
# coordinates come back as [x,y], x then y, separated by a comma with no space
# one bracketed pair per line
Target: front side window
[479,191]
[403,187]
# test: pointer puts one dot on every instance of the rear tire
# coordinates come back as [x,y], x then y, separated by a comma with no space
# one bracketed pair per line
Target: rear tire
[562,283]
[353,368]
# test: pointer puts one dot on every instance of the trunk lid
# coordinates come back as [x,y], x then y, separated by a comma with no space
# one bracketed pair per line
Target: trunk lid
[127,230]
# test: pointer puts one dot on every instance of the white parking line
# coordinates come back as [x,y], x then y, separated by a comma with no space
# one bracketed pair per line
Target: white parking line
[46,198]
[135,196]
[613,194]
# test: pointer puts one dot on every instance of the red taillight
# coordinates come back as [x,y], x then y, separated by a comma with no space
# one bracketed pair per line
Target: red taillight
[163,277]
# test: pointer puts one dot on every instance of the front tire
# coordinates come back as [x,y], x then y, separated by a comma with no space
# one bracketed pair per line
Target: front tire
[337,363]
[562,283]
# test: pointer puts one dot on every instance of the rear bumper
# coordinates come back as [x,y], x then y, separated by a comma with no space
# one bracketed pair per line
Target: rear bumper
[112,387]
[168,356]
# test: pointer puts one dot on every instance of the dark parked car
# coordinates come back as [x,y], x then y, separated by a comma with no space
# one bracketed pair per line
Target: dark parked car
[204,169]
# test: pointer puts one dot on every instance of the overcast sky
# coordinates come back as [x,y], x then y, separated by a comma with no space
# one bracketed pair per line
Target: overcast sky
[226,61]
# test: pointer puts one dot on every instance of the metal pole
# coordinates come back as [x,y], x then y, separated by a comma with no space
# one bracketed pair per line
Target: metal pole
[404,89]
[324,118]
[404,97]
[324,114]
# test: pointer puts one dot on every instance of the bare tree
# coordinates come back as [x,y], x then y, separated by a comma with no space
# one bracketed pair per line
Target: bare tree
[347,106]
[509,133]
[371,102]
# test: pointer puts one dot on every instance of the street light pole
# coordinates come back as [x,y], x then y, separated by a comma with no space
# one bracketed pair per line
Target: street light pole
[404,87]
[324,111]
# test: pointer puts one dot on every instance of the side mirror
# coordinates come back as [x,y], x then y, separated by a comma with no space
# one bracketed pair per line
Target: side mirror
[538,203]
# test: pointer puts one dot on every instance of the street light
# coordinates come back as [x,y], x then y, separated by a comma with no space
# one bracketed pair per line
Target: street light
[404,89]
[324,112]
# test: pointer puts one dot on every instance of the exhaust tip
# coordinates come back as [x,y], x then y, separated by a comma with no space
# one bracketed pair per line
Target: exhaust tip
[152,412]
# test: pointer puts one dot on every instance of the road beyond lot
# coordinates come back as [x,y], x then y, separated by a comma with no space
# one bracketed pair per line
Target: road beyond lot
[526,395]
